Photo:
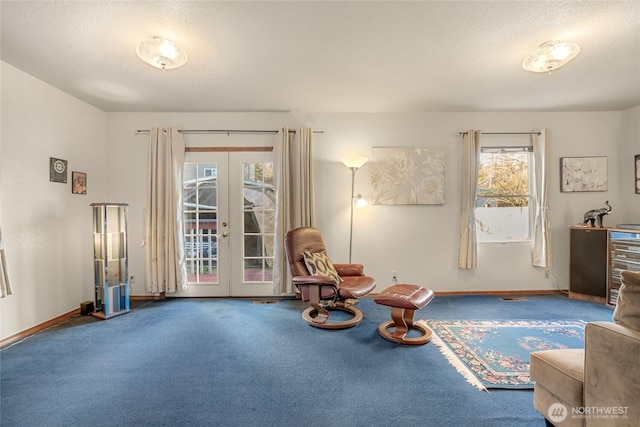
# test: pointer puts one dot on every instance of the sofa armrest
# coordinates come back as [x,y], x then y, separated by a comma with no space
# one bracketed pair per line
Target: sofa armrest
[611,374]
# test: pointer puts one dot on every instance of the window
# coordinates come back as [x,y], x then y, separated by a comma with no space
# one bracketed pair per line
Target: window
[259,221]
[503,197]
[200,213]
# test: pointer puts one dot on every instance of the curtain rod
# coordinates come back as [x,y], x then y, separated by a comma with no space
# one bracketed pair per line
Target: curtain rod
[505,133]
[227,131]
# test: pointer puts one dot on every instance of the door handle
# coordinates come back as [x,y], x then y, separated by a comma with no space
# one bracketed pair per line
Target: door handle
[223,234]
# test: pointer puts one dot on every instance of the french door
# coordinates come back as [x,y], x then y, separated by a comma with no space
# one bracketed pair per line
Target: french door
[229,223]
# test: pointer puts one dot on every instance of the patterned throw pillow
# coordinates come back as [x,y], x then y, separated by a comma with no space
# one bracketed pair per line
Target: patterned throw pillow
[319,264]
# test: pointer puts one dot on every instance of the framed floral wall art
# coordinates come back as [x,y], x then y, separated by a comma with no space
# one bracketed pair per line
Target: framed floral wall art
[583,174]
[408,176]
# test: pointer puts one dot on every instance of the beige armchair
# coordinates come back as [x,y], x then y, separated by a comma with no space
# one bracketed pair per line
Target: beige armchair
[597,386]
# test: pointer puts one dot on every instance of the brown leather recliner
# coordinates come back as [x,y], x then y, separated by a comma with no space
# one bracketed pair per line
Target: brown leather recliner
[323,292]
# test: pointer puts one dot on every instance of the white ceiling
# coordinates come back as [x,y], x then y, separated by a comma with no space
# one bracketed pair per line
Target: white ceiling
[332,56]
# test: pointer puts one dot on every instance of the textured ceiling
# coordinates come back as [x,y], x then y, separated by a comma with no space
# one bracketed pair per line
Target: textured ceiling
[307,56]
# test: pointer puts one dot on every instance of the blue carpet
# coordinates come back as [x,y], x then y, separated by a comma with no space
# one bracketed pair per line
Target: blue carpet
[225,362]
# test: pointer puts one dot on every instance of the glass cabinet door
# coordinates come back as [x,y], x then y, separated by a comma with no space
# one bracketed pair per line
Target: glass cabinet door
[111,282]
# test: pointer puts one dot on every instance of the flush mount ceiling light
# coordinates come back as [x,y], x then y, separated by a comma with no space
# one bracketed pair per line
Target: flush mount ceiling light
[550,56]
[162,53]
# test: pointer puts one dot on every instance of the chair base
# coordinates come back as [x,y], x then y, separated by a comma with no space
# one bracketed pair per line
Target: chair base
[399,334]
[310,315]
[404,299]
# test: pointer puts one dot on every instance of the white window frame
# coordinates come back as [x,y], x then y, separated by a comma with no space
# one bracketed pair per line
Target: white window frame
[530,196]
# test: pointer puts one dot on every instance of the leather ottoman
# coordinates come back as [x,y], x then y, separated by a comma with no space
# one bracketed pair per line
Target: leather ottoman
[404,300]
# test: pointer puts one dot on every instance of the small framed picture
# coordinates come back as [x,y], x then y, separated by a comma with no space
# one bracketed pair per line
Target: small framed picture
[57,170]
[637,173]
[583,174]
[78,182]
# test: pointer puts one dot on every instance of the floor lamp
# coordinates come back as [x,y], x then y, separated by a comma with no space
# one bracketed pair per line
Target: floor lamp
[354,163]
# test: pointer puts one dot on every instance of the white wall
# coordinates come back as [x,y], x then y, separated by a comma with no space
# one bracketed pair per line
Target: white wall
[629,148]
[46,229]
[128,183]
[420,242]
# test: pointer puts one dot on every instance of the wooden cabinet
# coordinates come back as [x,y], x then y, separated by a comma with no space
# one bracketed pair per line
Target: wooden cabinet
[588,264]
[110,259]
[624,254]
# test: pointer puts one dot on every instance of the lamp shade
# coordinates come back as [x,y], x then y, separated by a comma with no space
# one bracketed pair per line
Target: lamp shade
[550,56]
[354,161]
[161,53]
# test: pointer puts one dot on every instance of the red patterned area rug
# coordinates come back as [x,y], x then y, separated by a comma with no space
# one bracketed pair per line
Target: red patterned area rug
[495,353]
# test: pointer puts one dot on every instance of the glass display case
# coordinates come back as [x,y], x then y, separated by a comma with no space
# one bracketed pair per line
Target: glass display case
[624,254]
[110,259]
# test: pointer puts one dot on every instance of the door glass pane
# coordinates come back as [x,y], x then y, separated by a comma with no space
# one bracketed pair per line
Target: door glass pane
[258,221]
[200,215]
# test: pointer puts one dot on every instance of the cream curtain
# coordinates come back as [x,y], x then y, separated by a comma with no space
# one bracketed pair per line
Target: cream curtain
[5,284]
[295,193]
[468,246]
[541,252]
[164,247]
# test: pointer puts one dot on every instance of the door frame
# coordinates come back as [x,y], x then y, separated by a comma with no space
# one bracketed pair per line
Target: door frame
[230,198]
